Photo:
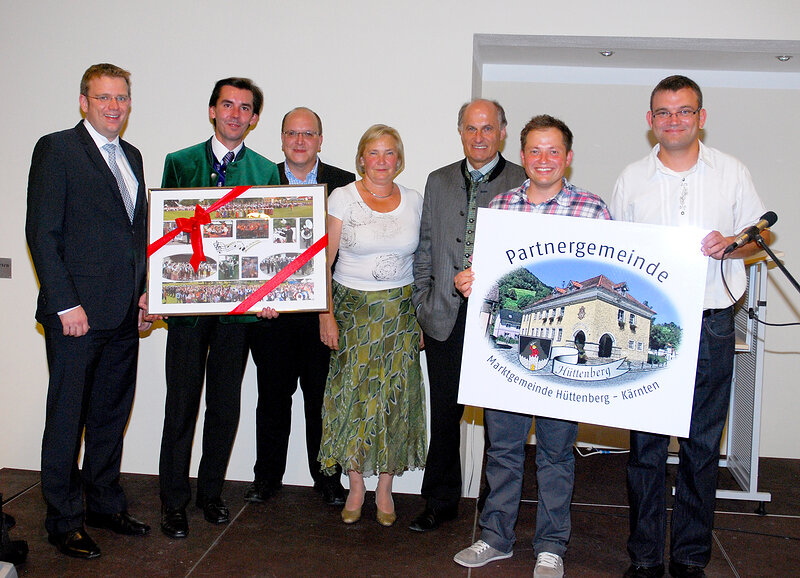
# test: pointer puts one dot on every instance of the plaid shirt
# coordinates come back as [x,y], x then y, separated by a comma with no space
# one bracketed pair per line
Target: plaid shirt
[569,202]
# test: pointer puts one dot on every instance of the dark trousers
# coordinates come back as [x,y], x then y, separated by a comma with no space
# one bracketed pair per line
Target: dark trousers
[441,485]
[285,350]
[90,394]
[218,352]
[696,481]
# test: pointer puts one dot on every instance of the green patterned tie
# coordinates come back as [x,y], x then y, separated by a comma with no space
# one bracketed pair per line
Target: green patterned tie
[475,180]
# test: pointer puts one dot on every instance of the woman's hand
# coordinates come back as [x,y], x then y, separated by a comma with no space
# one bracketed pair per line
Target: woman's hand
[329,330]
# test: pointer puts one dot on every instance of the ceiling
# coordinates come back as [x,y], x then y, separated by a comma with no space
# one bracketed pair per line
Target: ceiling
[634,52]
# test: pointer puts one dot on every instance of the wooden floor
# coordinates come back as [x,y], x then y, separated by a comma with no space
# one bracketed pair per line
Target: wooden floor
[295,534]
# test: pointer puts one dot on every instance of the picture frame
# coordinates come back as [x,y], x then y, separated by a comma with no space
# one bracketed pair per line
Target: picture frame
[249,242]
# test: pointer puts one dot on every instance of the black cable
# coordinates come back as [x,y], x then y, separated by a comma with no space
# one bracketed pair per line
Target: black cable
[751,313]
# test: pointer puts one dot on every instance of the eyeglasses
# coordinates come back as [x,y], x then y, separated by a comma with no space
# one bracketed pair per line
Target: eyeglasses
[299,133]
[107,98]
[682,114]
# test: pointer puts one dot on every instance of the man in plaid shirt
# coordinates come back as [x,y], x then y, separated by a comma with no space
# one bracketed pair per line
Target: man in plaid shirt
[546,154]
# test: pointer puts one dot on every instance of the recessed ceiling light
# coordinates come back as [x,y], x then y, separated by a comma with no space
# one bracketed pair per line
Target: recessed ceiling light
[611,52]
[784,57]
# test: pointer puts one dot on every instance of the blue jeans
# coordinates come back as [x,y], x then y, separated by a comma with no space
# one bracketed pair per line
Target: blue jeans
[505,468]
[696,480]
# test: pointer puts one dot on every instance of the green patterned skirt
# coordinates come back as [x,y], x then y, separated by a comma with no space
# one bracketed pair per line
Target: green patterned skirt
[373,413]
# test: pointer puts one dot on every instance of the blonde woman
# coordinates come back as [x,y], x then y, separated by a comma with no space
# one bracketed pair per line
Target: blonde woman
[374,405]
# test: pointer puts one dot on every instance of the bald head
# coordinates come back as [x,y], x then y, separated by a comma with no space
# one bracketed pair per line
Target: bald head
[301,140]
[482,125]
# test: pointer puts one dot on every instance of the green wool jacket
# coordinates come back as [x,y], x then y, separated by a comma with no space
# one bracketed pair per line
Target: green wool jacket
[193,167]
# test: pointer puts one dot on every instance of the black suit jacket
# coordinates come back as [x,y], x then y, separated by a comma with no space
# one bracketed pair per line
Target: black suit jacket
[334,178]
[84,248]
[326,174]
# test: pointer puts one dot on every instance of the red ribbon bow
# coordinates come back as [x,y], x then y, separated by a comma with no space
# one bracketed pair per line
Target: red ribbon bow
[194,226]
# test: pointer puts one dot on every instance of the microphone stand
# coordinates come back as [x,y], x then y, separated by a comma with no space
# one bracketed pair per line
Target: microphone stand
[760,241]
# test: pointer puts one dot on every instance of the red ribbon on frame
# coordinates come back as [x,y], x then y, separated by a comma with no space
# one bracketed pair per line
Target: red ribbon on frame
[280,276]
[194,226]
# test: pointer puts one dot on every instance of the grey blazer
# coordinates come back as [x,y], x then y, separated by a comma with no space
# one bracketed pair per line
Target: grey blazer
[440,254]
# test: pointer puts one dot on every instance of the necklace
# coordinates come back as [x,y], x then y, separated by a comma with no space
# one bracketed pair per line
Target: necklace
[363,184]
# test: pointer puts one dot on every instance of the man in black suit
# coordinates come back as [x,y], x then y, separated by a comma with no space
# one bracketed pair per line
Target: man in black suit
[288,348]
[86,232]
[452,195]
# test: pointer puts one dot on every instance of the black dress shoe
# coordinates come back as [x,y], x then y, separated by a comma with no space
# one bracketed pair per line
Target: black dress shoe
[685,570]
[120,523]
[174,522]
[332,491]
[260,491]
[14,551]
[432,518]
[635,571]
[215,511]
[8,521]
[75,543]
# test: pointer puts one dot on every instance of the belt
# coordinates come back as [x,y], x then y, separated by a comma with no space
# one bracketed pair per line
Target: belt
[712,312]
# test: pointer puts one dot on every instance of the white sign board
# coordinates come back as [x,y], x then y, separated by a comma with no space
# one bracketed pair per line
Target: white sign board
[561,314]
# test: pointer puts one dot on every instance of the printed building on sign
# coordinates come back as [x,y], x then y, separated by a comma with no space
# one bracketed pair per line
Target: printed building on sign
[596,316]
[507,324]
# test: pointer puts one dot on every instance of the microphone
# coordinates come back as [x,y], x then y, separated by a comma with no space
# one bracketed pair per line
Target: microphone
[767,220]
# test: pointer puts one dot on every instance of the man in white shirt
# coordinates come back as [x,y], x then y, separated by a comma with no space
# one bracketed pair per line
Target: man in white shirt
[682,182]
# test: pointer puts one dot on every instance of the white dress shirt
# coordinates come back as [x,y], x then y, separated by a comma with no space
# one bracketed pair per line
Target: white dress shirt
[716,194]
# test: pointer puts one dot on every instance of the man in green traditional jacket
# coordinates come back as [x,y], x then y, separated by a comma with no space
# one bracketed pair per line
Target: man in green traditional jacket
[214,346]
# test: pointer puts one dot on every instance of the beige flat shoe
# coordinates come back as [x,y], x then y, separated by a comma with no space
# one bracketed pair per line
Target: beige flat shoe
[351,516]
[386,518]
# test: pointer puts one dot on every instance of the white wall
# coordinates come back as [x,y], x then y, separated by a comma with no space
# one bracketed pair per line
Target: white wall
[356,63]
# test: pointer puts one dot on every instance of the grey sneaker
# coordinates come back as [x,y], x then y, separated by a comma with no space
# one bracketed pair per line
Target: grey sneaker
[548,565]
[480,554]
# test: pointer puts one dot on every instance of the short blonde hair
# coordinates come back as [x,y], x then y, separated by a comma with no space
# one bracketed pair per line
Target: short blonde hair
[373,133]
[104,69]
